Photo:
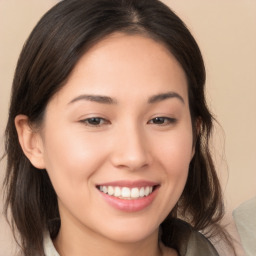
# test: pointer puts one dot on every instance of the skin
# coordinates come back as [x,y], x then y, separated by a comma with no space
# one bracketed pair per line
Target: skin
[127,144]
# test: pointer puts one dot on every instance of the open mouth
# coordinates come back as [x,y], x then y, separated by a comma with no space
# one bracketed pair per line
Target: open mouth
[126,192]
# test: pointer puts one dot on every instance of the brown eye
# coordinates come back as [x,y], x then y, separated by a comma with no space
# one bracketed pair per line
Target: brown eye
[162,120]
[95,121]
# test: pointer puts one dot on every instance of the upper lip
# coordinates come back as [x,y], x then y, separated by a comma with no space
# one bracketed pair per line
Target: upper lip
[129,184]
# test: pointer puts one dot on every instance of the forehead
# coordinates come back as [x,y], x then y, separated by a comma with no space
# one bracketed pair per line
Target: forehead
[121,47]
[122,62]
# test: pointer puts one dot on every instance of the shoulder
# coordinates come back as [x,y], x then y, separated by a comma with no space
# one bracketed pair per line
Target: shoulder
[186,240]
[198,245]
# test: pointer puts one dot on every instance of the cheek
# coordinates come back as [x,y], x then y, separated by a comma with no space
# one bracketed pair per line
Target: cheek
[70,157]
[177,151]
[176,155]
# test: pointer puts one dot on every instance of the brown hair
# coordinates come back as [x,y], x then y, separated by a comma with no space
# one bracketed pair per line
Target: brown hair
[52,50]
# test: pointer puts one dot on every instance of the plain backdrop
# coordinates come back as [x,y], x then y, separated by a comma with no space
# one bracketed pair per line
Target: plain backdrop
[226,33]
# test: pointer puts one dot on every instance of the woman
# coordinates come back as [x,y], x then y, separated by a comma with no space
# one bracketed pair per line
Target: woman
[107,137]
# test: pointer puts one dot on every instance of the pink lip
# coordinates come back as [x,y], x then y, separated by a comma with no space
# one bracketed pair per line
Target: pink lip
[129,205]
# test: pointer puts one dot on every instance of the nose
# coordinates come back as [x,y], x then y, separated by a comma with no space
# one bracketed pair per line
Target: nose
[131,149]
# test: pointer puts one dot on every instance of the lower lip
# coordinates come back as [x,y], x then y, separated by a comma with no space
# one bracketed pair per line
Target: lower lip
[130,205]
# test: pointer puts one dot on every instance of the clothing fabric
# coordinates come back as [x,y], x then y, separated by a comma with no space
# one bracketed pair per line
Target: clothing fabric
[245,220]
[49,249]
[192,244]
[197,245]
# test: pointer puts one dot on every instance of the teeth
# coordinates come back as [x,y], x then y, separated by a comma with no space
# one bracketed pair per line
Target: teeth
[117,192]
[146,191]
[142,192]
[111,190]
[105,189]
[126,193]
[135,193]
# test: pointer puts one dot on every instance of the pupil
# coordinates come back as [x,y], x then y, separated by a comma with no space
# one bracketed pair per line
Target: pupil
[94,120]
[159,120]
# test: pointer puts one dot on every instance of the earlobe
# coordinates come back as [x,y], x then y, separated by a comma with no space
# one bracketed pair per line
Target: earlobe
[30,141]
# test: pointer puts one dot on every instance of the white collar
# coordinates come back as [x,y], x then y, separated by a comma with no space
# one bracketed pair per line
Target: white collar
[49,249]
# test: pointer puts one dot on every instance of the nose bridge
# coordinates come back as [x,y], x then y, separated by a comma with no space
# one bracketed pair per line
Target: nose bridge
[131,147]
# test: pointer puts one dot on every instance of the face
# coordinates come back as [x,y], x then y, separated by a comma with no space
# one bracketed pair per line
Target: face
[117,139]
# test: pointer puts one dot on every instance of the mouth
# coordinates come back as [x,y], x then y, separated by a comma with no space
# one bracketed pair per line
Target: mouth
[128,193]
[129,196]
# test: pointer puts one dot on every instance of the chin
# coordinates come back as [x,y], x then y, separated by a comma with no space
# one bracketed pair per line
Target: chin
[131,233]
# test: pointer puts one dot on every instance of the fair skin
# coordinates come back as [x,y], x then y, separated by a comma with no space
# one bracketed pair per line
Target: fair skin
[135,136]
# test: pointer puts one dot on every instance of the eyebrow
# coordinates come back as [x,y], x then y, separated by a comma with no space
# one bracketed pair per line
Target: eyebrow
[95,98]
[164,96]
[108,100]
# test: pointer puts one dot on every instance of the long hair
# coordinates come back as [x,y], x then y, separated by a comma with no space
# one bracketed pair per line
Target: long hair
[52,50]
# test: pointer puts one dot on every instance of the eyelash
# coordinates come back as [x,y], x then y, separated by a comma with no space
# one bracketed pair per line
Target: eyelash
[162,120]
[99,121]
[95,121]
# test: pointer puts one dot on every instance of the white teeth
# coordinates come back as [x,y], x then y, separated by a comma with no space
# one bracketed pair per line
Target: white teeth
[135,193]
[105,190]
[126,193]
[117,192]
[111,190]
[146,191]
[142,192]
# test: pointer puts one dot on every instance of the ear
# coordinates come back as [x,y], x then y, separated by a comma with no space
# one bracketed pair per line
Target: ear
[30,141]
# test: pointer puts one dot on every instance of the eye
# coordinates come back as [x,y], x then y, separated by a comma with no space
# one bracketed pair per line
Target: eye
[162,120]
[95,121]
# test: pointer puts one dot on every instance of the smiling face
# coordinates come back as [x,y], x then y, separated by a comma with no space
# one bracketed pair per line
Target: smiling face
[117,140]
